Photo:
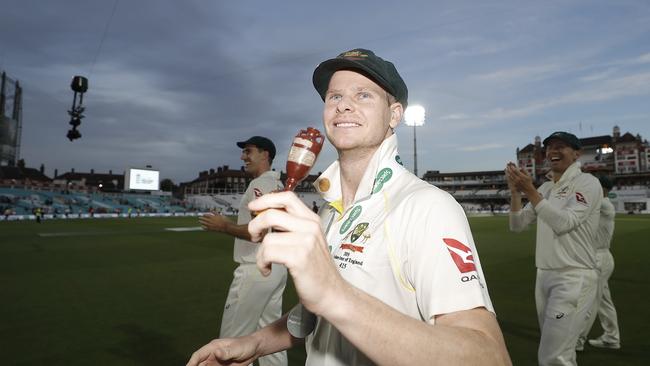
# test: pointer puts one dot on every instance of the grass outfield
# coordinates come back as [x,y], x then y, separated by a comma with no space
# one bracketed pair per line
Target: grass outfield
[127,292]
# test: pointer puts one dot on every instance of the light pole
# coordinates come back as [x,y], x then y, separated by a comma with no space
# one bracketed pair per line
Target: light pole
[414,116]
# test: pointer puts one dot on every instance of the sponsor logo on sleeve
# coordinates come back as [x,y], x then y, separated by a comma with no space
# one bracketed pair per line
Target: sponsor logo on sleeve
[581,198]
[257,192]
[461,255]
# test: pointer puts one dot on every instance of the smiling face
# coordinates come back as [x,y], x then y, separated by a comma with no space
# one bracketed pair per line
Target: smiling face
[358,114]
[561,155]
[256,160]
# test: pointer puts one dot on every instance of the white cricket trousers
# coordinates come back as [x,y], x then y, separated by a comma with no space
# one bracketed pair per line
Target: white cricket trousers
[253,302]
[604,306]
[563,298]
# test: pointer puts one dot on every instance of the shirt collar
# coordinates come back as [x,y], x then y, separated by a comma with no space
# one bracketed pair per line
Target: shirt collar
[572,171]
[328,183]
[270,173]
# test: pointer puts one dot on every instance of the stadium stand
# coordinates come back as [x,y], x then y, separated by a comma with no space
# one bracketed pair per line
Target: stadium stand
[56,204]
[623,157]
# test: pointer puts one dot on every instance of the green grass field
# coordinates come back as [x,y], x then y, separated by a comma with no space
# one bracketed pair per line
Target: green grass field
[127,292]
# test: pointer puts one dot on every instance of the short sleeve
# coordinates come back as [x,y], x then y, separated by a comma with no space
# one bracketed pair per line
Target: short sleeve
[442,260]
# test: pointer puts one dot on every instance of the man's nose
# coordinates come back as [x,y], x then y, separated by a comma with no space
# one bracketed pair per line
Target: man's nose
[344,105]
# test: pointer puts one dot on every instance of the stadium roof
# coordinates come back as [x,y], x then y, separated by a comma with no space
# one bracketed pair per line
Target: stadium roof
[19,173]
[596,140]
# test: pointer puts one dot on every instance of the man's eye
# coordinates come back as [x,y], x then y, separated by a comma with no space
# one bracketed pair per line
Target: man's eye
[334,97]
[364,95]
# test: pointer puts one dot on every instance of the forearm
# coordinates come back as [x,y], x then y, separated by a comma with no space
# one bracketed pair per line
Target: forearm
[519,218]
[275,337]
[388,337]
[515,201]
[560,220]
[534,197]
[239,231]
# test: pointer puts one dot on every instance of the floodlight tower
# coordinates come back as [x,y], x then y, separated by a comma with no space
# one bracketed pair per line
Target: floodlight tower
[414,116]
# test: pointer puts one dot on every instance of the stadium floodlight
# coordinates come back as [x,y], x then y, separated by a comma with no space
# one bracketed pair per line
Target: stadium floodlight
[414,116]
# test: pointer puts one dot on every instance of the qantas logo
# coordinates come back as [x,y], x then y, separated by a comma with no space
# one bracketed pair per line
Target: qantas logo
[580,198]
[461,254]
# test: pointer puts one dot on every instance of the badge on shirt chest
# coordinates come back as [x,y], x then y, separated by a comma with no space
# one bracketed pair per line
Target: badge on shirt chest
[351,249]
[562,193]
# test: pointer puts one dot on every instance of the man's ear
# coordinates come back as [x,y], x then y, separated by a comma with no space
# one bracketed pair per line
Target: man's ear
[578,153]
[396,113]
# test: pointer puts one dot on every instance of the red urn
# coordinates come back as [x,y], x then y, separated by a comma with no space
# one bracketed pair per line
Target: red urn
[303,153]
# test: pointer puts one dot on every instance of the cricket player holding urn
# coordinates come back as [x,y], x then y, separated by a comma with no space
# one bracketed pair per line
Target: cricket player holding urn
[389,268]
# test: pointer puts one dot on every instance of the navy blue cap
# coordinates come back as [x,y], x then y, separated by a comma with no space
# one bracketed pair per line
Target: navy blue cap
[379,70]
[261,143]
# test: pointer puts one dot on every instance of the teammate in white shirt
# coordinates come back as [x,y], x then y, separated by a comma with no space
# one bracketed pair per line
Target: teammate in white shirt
[604,306]
[390,267]
[566,209]
[254,301]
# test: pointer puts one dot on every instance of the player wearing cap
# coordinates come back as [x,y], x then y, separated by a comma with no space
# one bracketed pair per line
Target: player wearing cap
[254,301]
[390,267]
[603,306]
[567,210]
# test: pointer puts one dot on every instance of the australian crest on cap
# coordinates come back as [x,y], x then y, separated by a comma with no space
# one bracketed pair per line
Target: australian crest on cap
[353,54]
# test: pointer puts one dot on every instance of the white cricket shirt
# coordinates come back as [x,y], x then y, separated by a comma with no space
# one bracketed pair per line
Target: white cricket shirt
[567,220]
[606,224]
[403,241]
[269,181]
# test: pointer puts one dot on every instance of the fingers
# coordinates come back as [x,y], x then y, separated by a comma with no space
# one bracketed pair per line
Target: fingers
[281,211]
[205,222]
[282,221]
[287,248]
[205,219]
[200,356]
[285,200]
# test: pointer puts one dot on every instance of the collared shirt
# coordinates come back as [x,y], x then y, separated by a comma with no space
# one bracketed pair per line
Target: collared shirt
[402,241]
[605,225]
[567,220]
[269,181]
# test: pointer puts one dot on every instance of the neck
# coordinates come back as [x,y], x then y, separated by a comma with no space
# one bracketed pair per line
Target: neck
[353,166]
[556,176]
[261,171]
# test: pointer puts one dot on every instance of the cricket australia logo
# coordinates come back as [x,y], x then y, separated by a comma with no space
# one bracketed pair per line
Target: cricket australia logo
[358,231]
[562,193]
[461,254]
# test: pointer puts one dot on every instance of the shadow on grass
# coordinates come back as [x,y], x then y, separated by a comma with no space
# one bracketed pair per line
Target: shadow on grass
[519,330]
[147,347]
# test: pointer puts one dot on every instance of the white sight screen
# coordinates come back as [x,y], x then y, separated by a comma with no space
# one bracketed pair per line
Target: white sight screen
[148,180]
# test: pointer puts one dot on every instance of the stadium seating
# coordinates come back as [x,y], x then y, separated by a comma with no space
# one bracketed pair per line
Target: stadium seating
[23,202]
